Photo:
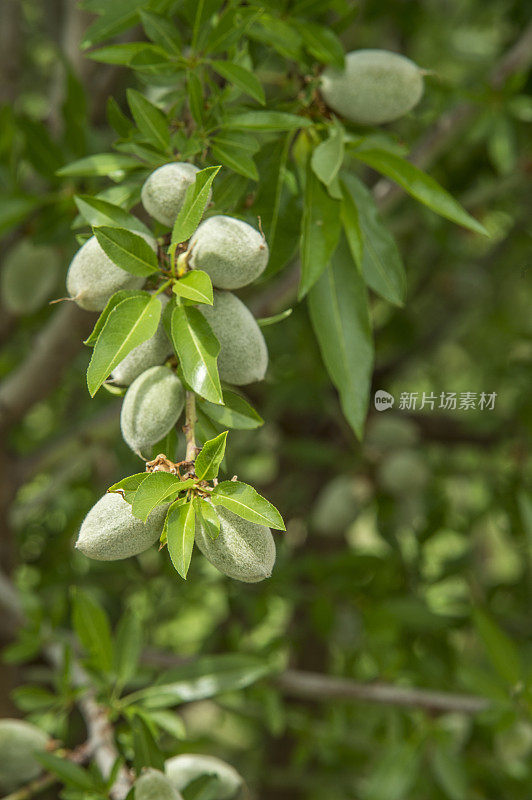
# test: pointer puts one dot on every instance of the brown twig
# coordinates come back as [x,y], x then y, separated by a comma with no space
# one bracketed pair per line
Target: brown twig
[314,686]
[189,426]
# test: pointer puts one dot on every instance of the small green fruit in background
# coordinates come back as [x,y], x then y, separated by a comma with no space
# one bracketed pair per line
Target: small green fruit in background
[29,276]
[337,506]
[152,405]
[150,353]
[230,251]
[403,472]
[153,785]
[243,354]
[93,278]
[110,532]
[182,770]
[163,192]
[376,86]
[242,550]
[19,741]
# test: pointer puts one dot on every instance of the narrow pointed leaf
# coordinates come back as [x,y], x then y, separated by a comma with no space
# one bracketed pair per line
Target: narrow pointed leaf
[92,627]
[149,119]
[101,164]
[127,250]
[208,516]
[196,286]
[242,499]
[420,185]
[320,231]
[197,349]
[113,301]
[128,486]
[129,324]
[240,77]
[210,457]
[373,246]
[180,530]
[235,413]
[97,211]
[154,491]
[340,318]
[196,199]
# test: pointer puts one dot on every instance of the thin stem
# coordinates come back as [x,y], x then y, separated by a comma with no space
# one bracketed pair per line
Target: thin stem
[162,287]
[33,788]
[190,423]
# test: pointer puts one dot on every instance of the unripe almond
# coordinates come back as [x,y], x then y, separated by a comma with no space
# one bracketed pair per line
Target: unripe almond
[110,532]
[230,251]
[242,550]
[163,192]
[337,506]
[152,405]
[93,278]
[153,785]
[375,86]
[19,741]
[243,354]
[148,354]
[28,277]
[182,770]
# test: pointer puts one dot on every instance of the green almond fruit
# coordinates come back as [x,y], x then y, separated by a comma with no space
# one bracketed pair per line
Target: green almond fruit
[19,742]
[110,532]
[153,785]
[93,278]
[182,770]
[336,507]
[163,192]
[151,407]
[242,550]
[29,277]
[375,86]
[243,354]
[230,251]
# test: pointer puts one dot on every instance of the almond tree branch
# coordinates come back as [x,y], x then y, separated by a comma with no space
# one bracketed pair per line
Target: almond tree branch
[313,686]
[190,424]
[54,347]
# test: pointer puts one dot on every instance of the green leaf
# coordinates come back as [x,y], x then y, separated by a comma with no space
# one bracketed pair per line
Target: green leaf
[162,32]
[320,231]
[501,650]
[419,185]
[113,301]
[264,322]
[129,324]
[322,43]
[147,752]
[93,630]
[340,318]
[72,775]
[117,119]
[197,349]
[196,199]
[99,212]
[206,787]
[195,285]
[33,698]
[100,164]
[203,678]
[448,769]
[170,722]
[373,246]
[127,250]
[116,17]
[328,156]
[266,121]
[128,647]
[242,499]
[231,155]
[208,516]
[121,54]
[241,77]
[210,457]
[155,490]
[235,413]
[128,486]
[180,530]
[149,119]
